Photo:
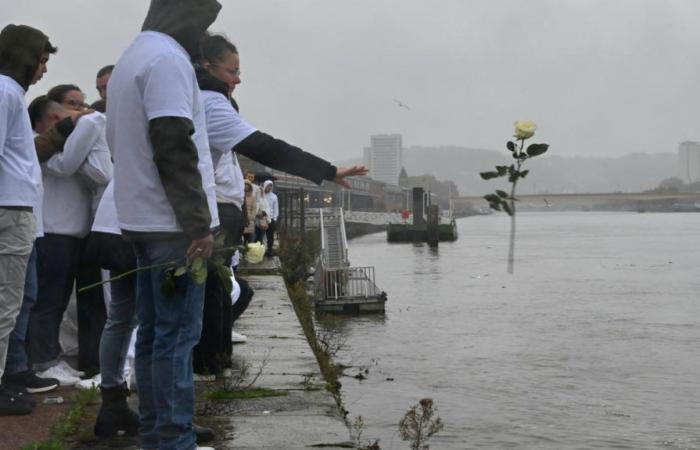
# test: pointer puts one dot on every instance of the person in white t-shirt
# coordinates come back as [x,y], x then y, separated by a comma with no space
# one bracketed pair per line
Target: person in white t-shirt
[218,74]
[94,176]
[24,53]
[165,197]
[68,178]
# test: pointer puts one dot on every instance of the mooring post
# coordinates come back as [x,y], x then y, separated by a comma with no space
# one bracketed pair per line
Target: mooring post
[418,206]
[433,230]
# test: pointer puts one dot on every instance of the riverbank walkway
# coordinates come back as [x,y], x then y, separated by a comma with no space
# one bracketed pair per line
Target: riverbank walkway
[289,406]
[306,415]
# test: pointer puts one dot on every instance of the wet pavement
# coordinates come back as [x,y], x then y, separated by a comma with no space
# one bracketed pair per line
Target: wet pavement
[278,358]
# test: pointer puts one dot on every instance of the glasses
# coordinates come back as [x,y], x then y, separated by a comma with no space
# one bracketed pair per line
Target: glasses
[76,104]
[234,72]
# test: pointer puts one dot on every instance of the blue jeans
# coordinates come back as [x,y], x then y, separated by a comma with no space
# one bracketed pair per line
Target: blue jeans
[169,327]
[17,359]
[117,256]
[121,320]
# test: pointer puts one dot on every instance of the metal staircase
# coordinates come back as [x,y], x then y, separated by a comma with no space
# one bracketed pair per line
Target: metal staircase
[334,244]
[339,287]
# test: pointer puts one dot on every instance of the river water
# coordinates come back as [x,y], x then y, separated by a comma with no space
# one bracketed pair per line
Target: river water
[593,344]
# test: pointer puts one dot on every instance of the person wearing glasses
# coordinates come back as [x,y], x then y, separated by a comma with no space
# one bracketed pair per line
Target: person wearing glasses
[218,74]
[69,96]
[72,179]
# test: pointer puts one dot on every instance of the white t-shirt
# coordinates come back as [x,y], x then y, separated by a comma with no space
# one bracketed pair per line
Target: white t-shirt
[20,174]
[230,184]
[226,129]
[153,78]
[73,178]
[106,215]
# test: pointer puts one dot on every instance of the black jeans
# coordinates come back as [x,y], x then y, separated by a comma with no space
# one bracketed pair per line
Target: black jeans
[270,233]
[231,218]
[213,352]
[58,259]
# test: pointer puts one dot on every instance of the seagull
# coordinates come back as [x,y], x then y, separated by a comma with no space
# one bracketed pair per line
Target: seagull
[401,104]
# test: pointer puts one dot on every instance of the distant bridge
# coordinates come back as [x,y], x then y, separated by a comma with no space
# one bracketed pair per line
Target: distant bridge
[591,197]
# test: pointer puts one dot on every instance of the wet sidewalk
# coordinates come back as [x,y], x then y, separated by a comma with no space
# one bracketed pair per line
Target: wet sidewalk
[306,415]
[295,411]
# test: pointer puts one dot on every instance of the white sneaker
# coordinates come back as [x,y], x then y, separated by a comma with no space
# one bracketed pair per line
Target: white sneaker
[90,383]
[238,338]
[57,372]
[71,371]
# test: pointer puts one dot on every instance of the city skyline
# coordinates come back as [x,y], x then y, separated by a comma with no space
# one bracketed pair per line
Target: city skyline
[600,78]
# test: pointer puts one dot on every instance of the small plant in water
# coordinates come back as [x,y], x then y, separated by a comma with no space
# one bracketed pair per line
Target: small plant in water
[420,423]
[501,200]
[358,427]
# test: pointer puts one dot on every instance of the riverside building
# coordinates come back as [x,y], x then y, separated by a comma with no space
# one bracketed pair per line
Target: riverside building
[384,158]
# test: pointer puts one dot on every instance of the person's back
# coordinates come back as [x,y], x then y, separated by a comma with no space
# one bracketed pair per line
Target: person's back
[142,80]
[166,204]
[68,200]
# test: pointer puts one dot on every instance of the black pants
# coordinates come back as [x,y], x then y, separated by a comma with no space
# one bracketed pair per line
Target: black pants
[213,352]
[92,314]
[270,233]
[244,300]
[58,258]
[231,219]
[210,352]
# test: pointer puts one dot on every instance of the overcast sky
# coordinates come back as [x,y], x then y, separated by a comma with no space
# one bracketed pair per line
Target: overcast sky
[600,77]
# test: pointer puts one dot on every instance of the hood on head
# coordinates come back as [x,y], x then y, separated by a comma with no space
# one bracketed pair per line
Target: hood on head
[267,183]
[186,21]
[21,49]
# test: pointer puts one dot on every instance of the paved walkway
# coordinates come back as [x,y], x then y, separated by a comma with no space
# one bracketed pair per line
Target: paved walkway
[307,416]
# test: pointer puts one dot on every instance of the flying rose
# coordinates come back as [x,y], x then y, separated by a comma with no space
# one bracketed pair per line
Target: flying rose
[525,129]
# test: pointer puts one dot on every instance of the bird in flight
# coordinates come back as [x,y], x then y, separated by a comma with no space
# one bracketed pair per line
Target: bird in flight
[400,104]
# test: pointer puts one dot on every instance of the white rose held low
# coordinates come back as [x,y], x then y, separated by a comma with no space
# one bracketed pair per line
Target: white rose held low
[524,129]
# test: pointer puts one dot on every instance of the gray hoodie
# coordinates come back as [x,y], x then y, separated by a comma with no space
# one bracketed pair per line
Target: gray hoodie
[175,155]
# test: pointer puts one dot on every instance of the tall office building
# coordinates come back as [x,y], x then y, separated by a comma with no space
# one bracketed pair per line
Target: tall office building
[689,161]
[384,158]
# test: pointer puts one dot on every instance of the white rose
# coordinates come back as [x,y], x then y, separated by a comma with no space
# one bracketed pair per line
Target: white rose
[525,129]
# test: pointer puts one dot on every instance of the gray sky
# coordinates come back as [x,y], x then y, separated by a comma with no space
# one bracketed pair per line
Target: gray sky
[600,77]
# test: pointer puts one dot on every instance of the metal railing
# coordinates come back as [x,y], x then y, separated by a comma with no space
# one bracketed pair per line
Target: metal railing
[351,282]
[344,236]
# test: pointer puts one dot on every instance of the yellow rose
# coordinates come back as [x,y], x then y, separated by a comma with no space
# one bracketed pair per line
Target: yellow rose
[525,129]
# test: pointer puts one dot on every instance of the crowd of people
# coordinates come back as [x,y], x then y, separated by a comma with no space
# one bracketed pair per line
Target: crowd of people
[142,178]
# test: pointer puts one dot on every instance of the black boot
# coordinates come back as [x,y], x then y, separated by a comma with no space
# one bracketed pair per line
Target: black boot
[204,434]
[115,418]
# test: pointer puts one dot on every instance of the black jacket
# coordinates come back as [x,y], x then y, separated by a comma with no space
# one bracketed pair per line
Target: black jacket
[175,154]
[271,152]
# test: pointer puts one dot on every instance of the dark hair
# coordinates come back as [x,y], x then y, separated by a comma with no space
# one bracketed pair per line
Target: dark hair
[58,93]
[50,49]
[37,109]
[99,106]
[105,71]
[214,47]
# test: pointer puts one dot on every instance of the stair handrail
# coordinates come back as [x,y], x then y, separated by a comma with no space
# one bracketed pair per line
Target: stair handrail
[346,259]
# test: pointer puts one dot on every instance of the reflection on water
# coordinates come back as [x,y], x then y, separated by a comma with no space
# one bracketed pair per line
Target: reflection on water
[592,344]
